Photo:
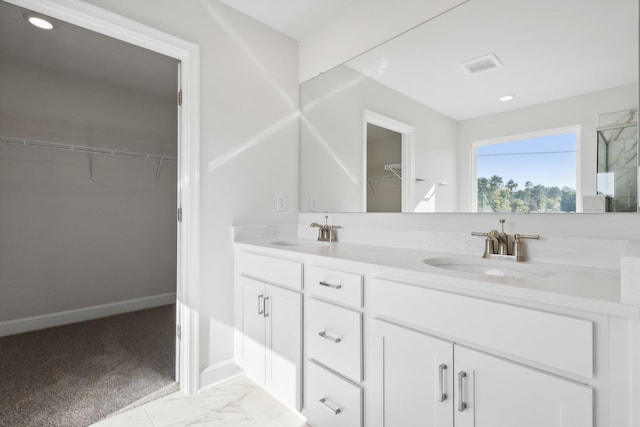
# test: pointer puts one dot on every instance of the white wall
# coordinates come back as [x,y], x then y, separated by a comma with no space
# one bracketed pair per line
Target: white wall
[249,138]
[331,160]
[582,111]
[69,240]
[361,27]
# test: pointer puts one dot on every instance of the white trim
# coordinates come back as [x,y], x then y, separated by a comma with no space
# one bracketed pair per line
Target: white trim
[18,326]
[110,24]
[473,203]
[408,156]
[220,372]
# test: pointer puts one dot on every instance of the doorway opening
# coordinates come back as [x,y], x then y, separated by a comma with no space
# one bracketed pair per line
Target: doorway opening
[384,169]
[388,169]
[187,54]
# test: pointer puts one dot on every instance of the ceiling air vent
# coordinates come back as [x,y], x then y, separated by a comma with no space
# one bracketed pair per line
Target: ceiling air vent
[482,64]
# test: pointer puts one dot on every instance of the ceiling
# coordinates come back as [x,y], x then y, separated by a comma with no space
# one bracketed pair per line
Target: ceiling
[548,49]
[295,18]
[554,30]
[76,51]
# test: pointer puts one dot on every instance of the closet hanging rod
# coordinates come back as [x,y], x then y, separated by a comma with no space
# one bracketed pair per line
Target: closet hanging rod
[385,177]
[84,149]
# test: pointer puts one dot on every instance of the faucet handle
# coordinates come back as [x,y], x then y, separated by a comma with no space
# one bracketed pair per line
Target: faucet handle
[488,242]
[320,230]
[333,235]
[518,245]
[525,236]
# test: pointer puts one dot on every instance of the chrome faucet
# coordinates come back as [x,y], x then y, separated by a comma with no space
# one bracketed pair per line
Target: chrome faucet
[496,244]
[326,232]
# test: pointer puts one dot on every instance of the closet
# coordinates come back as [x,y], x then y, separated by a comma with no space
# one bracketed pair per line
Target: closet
[88,148]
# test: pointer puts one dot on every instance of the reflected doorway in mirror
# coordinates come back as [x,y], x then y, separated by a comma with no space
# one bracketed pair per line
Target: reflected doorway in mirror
[388,153]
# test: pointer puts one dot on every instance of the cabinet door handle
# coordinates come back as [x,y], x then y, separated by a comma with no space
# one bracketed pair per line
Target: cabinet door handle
[264,306]
[333,408]
[324,335]
[329,285]
[461,405]
[260,304]
[442,396]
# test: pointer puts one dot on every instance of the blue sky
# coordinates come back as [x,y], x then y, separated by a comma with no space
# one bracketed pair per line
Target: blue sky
[550,161]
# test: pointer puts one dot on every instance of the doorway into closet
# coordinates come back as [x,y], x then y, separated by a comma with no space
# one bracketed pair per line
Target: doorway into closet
[89,154]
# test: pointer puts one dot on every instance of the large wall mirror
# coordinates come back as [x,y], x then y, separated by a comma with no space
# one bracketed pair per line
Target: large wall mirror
[493,106]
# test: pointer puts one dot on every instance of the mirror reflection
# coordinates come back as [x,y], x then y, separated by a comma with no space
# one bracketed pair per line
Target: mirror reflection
[494,106]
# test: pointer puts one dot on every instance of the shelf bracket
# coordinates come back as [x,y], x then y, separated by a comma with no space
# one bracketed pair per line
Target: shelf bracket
[91,166]
[158,169]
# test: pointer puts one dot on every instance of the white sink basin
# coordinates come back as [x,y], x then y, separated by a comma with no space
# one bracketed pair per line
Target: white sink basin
[299,242]
[487,267]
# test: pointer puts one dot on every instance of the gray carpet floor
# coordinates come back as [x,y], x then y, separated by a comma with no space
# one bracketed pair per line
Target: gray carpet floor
[75,375]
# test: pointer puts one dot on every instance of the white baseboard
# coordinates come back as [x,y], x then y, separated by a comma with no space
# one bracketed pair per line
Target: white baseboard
[218,373]
[11,327]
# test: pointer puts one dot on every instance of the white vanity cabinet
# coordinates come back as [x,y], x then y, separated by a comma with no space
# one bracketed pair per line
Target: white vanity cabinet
[334,347]
[271,324]
[416,376]
[419,377]
[392,347]
[499,393]
[411,378]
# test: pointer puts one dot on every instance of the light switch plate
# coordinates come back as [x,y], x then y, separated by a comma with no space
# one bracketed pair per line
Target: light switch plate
[313,203]
[281,202]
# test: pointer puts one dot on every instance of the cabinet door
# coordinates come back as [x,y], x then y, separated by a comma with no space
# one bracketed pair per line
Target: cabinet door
[283,341]
[411,378]
[499,393]
[253,328]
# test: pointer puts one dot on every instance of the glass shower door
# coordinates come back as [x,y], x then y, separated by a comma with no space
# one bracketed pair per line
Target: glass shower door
[617,173]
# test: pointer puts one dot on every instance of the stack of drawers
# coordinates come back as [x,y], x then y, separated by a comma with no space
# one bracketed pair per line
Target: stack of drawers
[334,342]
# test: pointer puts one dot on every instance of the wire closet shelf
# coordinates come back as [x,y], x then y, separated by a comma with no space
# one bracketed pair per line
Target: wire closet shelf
[84,149]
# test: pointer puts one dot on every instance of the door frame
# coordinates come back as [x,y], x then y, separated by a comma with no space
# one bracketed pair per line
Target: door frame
[188,253]
[408,157]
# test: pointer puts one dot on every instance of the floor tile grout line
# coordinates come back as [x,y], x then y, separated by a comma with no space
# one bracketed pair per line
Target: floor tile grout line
[144,407]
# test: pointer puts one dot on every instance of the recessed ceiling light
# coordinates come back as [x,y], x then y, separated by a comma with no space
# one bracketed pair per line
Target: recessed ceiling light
[38,21]
[506,98]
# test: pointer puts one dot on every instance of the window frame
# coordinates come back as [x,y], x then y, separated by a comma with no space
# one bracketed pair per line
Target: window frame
[576,129]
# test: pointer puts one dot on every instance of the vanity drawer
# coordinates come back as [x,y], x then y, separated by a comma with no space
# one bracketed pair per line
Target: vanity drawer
[334,337]
[331,401]
[550,339]
[279,271]
[335,285]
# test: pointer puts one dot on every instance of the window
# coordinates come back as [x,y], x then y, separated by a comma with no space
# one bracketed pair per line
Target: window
[527,174]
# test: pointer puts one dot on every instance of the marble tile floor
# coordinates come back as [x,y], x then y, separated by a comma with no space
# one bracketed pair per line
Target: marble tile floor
[238,402]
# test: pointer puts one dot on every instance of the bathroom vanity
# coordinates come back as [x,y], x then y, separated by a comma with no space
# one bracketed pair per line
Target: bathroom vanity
[367,335]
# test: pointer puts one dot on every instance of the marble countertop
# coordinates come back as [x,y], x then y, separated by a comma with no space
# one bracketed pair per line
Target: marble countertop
[595,290]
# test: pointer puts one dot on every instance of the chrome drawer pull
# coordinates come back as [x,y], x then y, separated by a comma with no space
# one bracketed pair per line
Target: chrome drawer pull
[461,405]
[264,305]
[324,335]
[325,403]
[260,306]
[442,395]
[329,285]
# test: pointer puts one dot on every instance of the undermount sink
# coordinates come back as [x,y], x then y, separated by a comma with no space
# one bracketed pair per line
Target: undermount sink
[300,242]
[486,267]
